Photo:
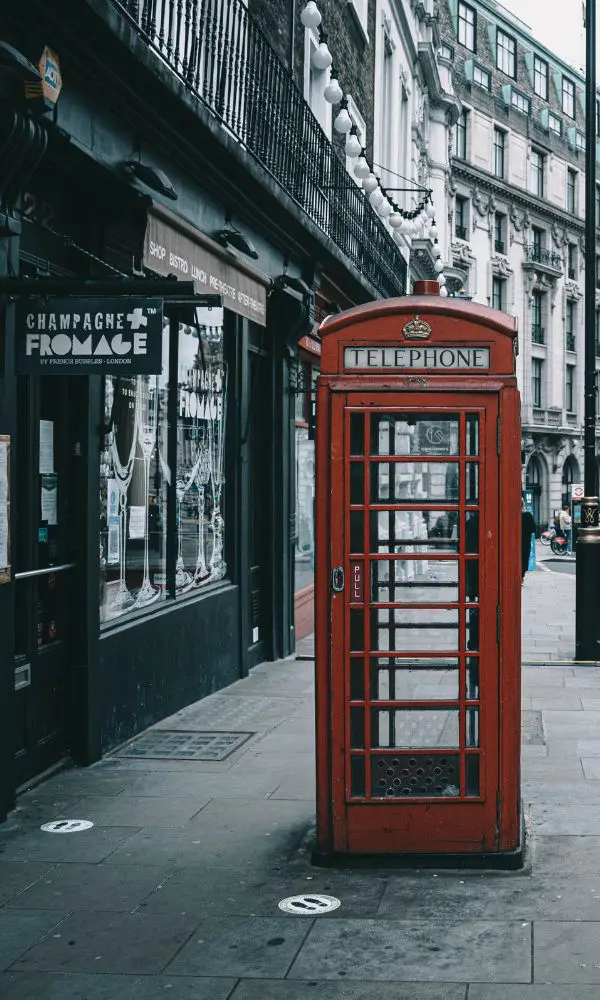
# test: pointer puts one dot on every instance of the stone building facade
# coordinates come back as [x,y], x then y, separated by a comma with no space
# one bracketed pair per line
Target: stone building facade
[515,207]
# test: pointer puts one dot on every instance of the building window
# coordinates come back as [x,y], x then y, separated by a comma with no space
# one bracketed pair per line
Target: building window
[135,532]
[597,205]
[315,81]
[537,329]
[466,26]
[360,8]
[570,321]
[536,381]
[481,78]
[499,152]
[537,172]
[598,119]
[572,261]
[598,333]
[597,272]
[498,293]
[361,135]
[520,102]
[460,218]
[568,97]
[538,243]
[447,52]
[572,192]
[569,388]
[580,142]
[460,135]
[500,232]
[506,49]
[554,124]
[540,77]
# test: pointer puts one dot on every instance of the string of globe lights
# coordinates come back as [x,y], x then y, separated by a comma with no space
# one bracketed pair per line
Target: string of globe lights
[420,221]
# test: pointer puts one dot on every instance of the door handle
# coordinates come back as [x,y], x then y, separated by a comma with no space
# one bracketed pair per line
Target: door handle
[337,579]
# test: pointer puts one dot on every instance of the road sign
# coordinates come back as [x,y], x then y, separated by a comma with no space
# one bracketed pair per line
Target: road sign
[576,491]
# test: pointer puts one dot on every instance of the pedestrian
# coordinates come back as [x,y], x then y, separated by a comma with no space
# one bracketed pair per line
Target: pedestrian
[565,523]
[527,530]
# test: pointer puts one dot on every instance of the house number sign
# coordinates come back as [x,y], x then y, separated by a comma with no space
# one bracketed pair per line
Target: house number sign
[396,358]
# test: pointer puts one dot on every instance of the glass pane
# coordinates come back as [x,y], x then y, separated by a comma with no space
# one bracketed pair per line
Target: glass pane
[357,728]
[405,434]
[417,629]
[472,774]
[357,775]
[472,628]
[304,555]
[200,476]
[472,736]
[357,434]
[357,630]
[414,679]
[356,531]
[473,677]
[418,581]
[402,776]
[472,531]
[357,482]
[472,434]
[414,482]
[133,491]
[416,728]
[357,679]
[472,482]
[472,579]
[411,531]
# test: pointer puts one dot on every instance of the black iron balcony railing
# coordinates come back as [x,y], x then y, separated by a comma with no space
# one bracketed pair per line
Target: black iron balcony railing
[499,246]
[570,337]
[224,59]
[537,334]
[460,232]
[539,255]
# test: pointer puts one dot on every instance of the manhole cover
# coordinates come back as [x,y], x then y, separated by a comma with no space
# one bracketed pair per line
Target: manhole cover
[309,905]
[177,744]
[67,826]
[532,729]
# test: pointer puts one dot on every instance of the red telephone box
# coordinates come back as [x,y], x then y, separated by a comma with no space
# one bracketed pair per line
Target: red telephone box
[418,592]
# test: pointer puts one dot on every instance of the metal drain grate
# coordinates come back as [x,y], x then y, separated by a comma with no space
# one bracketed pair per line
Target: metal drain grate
[176,744]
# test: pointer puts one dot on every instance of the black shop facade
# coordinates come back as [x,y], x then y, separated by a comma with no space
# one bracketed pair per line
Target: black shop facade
[137,496]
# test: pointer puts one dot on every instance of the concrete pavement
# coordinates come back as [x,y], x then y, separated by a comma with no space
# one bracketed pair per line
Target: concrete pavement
[174,891]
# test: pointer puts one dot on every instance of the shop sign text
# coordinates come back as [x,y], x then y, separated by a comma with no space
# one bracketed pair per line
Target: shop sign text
[441,358]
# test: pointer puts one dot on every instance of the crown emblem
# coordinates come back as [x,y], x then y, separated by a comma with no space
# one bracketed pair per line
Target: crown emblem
[417,329]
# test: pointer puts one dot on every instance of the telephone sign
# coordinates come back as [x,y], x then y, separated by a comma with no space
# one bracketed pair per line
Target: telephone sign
[418,584]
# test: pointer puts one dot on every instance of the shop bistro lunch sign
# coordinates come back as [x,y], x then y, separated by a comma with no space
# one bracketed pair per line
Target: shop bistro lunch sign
[90,336]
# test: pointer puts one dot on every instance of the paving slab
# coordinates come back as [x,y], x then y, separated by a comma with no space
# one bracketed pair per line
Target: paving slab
[565,855]
[552,819]
[567,953]
[95,780]
[532,992]
[561,725]
[248,947]
[15,876]
[141,810]
[108,942]
[87,846]
[269,989]
[90,887]
[77,986]
[396,950]
[20,930]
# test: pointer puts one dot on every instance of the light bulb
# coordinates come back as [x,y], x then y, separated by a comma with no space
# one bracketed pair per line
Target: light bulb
[444,292]
[441,280]
[333,93]
[406,227]
[376,197]
[311,15]
[430,210]
[396,220]
[361,168]
[385,209]
[438,266]
[321,57]
[436,250]
[342,122]
[434,232]
[369,183]
[353,146]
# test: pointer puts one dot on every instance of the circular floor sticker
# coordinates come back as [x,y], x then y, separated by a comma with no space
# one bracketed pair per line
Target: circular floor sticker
[67,826]
[309,905]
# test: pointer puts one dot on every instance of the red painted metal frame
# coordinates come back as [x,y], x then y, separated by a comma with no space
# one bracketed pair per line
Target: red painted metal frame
[452,825]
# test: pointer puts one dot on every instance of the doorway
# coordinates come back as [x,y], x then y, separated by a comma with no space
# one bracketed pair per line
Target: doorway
[259,518]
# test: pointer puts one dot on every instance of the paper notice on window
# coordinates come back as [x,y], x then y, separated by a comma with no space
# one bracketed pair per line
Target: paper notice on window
[49,499]
[113,501]
[137,522]
[4,521]
[114,544]
[46,447]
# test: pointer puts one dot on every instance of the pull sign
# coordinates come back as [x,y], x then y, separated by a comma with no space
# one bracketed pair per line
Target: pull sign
[356,583]
[337,579]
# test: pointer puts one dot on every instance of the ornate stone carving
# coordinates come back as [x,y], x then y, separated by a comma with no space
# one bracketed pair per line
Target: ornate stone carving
[573,289]
[462,254]
[481,201]
[500,266]
[517,217]
[559,235]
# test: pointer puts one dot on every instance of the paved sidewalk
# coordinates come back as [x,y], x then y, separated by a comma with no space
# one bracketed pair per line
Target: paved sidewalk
[174,891]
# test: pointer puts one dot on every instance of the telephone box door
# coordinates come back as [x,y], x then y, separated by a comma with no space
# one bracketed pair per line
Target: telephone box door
[414,621]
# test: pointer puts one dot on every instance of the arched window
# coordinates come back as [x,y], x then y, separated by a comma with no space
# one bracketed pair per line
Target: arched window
[571,474]
[533,482]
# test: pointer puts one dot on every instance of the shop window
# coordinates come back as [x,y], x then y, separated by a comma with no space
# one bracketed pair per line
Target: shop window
[137,465]
[305,483]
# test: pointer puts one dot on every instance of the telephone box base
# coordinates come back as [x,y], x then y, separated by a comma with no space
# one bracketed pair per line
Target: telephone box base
[490,860]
